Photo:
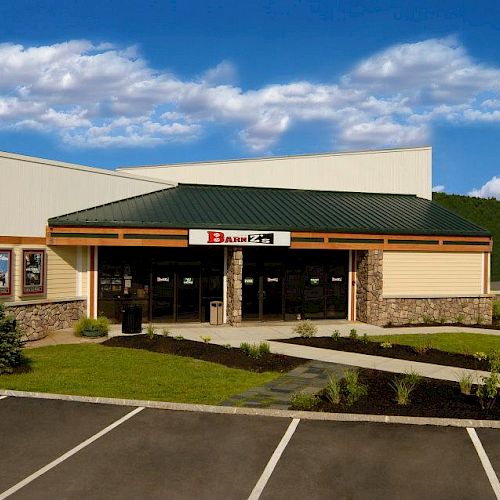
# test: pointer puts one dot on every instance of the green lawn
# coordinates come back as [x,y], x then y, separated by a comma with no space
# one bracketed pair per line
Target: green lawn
[95,370]
[451,342]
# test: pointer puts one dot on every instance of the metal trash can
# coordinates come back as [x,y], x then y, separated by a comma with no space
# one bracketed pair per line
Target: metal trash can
[132,319]
[216,310]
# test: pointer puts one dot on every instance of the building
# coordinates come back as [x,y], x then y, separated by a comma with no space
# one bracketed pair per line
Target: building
[348,235]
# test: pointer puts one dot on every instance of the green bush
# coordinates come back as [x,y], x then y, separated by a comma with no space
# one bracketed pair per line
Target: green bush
[494,359]
[487,391]
[303,401]
[305,329]
[255,351]
[150,331]
[91,327]
[10,343]
[353,334]
[365,338]
[403,388]
[264,348]
[466,381]
[353,387]
[336,335]
[333,389]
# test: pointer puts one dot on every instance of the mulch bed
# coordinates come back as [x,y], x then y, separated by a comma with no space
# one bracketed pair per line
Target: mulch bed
[433,356]
[233,358]
[494,326]
[431,398]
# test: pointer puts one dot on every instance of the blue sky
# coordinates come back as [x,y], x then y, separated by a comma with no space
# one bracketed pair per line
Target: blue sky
[113,83]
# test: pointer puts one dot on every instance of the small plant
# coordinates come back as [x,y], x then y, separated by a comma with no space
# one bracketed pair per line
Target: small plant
[251,350]
[496,310]
[150,331]
[403,388]
[245,347]
[89,327]
[333,389]
[10,344]
[365,339]
[305,329]
[460,319]
[227,346]
[480,356]
[413,377]
[166,332]
[179,337]
[206,339]
[303,401]
[353,334]
[426,319]
[487,391]
[335,335]
[264,348]
[494,359]
[422,347]
[466,381]
[442,319]
[386,345]
[353,387]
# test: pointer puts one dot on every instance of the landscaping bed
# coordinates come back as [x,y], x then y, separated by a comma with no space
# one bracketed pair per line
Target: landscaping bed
[493,326]
[433,356]
[430,398]
[227,356]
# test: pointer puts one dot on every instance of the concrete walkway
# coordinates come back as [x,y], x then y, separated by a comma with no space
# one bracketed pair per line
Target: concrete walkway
[255,333]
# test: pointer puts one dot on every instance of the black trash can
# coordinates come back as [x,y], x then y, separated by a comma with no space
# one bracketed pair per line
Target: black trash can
[132,319]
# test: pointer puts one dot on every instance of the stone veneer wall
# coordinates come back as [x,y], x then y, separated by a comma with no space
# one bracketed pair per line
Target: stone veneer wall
[373,308]
[37,320]
[234,285]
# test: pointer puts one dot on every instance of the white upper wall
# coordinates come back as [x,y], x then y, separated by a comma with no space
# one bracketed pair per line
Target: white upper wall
[34,189]
[403,171]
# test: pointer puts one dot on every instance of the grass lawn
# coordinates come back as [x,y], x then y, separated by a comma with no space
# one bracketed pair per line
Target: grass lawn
[94,370]
[451,342]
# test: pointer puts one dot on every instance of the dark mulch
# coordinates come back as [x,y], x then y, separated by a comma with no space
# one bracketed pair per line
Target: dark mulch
[431,398]
[398,351]
[233,358]
[494,326]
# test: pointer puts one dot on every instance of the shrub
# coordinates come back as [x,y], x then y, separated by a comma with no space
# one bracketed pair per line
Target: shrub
[336,335]
[426,319]
[333,389]
[179,337]
[496,310]
[480,356]
[305,329]
[413,377]
[353,334]
[245,347]
[165,332]
[353,387]
[303,401]
[465,381]
[150,331]
[386,345]
[459,319]
[206,339]
[227,346]
[91,327]
[487,391]
[494,359]
[365,339]
[10,344]
[403,389]
[251,350]
[264,348]
[422,347]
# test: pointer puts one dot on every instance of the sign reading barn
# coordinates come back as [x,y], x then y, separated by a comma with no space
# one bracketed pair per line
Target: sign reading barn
[239,238]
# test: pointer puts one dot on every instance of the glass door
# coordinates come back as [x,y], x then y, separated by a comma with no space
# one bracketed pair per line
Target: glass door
[188,292]
[272,292]
[163,297]
[251,292]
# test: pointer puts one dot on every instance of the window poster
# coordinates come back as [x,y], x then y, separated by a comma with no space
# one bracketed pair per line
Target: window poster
[33,271]
[5,271]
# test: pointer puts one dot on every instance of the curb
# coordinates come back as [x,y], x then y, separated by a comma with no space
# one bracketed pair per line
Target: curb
[263,412]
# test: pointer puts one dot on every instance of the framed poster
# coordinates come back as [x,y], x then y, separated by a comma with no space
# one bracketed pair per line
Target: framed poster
[33,272]
[5,271]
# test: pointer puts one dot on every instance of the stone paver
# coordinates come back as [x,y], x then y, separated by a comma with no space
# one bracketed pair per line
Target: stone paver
[310,377]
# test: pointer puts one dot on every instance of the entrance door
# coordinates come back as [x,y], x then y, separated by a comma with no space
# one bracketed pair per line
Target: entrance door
[163,286]
[188,293]
[251,293]
[272,292]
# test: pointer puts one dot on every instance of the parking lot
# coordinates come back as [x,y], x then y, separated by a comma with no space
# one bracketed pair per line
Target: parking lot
[73,450]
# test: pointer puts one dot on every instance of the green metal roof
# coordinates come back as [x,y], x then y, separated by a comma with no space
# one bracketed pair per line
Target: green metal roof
[232,207]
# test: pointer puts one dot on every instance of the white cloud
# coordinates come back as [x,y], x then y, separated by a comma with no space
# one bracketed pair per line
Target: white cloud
[103,95]
[438,189]
[490,189]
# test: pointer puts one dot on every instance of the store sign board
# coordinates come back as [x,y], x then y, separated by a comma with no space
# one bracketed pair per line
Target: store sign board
[246,238]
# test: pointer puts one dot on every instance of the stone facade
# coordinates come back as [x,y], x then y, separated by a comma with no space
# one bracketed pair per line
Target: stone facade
[373,308]
[234,285]
[37,320]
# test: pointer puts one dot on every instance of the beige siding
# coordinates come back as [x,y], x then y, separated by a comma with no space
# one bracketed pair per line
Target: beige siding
[61,273]
[401,171]
[432,274]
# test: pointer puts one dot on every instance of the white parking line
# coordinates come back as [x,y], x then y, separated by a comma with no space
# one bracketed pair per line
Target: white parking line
[490,472]
[3,397]
[264,478]
[68,454]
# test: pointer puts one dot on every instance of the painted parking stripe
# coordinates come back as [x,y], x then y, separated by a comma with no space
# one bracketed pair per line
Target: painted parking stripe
[68,454]
[3,397]
[264,478]
[495,484]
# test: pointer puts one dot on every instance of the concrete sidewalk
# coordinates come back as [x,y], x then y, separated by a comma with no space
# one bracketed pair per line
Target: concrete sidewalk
[223,335]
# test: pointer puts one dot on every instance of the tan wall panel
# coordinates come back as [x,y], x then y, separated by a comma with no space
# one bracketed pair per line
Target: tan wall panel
[61,272]
[425,273]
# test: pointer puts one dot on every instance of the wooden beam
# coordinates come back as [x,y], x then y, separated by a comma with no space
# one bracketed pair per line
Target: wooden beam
[22,240]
